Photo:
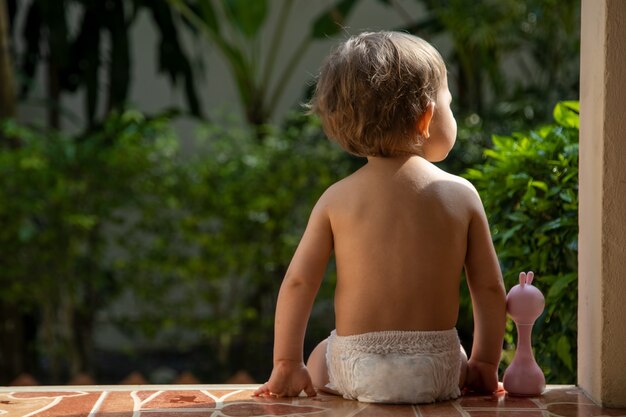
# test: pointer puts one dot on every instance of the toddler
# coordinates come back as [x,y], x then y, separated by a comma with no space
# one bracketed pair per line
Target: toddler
[401,231]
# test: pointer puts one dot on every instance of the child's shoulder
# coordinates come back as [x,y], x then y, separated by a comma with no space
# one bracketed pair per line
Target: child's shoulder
[455,181]
[345,189]
[339,188]
[460,192]
[428,174]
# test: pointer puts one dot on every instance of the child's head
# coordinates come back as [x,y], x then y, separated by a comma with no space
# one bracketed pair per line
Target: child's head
[372,90]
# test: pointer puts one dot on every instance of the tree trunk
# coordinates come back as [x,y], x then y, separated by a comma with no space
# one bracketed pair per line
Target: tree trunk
[11,359]
[7,80]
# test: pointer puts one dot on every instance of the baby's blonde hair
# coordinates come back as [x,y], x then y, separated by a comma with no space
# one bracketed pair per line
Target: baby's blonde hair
[373,88]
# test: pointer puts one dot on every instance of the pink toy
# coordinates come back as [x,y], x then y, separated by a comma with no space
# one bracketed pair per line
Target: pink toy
[524,303]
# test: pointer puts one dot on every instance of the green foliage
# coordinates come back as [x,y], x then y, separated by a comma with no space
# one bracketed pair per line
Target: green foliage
[246,16]
[244,206]
[76,57]
[202,244]
[509,63]
[65,207]
[197,248]
[529,186]
[234,29]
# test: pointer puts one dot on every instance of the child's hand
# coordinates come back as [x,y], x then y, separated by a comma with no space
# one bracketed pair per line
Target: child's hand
[288,379]
[481,377]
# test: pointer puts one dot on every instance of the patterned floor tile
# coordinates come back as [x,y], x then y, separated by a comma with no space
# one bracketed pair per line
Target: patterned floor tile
[238,401]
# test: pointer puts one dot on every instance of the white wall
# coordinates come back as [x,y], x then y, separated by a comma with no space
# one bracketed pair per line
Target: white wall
[152,92]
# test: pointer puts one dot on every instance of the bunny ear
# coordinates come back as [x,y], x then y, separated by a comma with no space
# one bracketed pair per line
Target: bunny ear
[529,277]
[522,278]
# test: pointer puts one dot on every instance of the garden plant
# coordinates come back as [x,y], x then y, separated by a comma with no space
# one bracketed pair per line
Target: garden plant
[110,224]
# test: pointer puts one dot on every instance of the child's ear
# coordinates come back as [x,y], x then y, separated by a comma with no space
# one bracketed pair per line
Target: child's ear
[423,122]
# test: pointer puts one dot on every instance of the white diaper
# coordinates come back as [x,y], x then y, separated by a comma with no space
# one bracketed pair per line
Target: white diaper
[395,366]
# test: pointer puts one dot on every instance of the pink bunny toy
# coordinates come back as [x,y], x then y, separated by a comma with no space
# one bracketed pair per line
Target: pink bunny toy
[524,303]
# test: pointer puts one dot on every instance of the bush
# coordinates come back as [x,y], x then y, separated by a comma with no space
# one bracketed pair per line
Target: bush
[176,254]
[243,203]
[66,205]
[529,186]
[189,253]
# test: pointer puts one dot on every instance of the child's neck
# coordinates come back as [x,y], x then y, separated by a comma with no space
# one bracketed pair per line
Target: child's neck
[393,160]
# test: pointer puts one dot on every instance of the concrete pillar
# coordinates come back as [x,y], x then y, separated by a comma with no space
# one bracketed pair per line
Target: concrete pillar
[602,196]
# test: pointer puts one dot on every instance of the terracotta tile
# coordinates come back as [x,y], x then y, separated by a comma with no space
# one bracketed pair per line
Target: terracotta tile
[271,409]
[564,395]
[238,401]
[17,407]
[234,395]
[67,404]
[116,404]
[173,414]
[179,399]
[583,410]
[74,406]
[144,395]
[228,393]
[320,406]
[379,410]
[442,409]
[499,400]
[496,412]
[47,394]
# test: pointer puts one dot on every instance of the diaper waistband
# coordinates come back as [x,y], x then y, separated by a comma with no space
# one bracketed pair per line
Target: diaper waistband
[437,341]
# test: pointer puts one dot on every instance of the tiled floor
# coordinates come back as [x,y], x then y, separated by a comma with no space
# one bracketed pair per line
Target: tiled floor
[237,401]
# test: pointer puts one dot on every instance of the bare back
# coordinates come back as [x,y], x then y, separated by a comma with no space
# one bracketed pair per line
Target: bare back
[400,230]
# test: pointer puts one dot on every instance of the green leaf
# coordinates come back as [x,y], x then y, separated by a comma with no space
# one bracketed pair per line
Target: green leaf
[32,162]
[539,184]
[517,216]
[566,113]
[119,68]
[507,234]
[568,196]
[560,285]
[552,225]
[247,16]
[172,57]
[83,221]
[207,13]
[472,174]
[564,352]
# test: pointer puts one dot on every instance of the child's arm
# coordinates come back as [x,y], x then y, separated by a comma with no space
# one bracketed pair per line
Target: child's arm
[295,301]
[489,304]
